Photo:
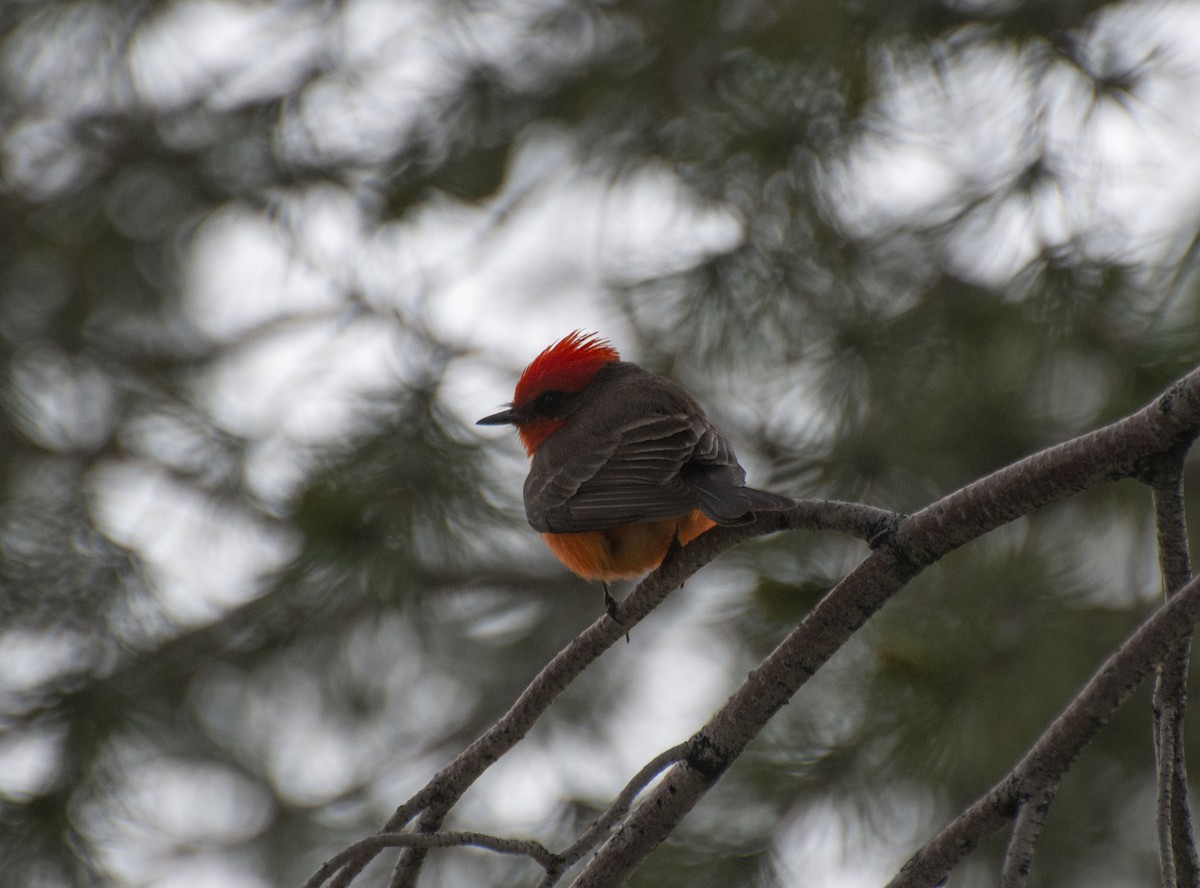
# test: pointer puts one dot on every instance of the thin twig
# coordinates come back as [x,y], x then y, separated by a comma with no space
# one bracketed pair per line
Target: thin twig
[1119,450]
[901,549]
[621,803]
[853,519]
[443,791]
[372,845]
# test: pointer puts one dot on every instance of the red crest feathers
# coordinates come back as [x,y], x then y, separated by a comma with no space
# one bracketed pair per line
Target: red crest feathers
[566,366]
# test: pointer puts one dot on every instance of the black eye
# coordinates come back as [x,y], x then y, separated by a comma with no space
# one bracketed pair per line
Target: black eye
[549,403]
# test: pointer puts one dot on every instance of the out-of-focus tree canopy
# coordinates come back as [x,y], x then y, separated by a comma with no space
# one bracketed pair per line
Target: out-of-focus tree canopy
[262,264]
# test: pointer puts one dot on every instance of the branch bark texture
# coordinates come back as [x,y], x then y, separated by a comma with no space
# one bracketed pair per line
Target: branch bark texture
[1149,445]
[1121,450]
[1178,861]
[1051,756]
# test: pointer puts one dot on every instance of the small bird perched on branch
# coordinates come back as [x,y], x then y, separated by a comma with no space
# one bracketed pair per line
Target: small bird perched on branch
[624,463]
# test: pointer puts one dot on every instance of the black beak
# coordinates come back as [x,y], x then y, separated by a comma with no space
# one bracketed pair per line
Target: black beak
[504,417]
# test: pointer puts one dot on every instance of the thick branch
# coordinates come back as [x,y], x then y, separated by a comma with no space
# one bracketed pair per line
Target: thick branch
[901,550]
[444,790]
[1116,451]
[864,522]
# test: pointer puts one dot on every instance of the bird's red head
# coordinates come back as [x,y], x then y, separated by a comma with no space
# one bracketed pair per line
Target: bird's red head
[565,367]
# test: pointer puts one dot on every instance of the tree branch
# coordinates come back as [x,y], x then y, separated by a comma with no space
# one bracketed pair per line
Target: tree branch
[623,801]
[1119,450]
[554,864]
[1018,860]
[1048,760]
[1176,842]
[372,845]
[620,805]
[900,550]
[444,790]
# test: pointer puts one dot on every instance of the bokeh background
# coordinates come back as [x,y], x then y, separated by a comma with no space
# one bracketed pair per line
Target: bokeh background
[263,264]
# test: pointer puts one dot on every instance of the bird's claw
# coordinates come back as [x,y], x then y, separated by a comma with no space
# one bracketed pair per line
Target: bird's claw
[610,603]
[674,547]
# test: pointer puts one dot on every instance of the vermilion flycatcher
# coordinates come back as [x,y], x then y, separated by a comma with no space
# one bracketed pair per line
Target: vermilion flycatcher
[622,461]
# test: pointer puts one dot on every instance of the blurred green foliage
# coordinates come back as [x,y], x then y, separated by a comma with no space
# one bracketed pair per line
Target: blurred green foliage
[394,602]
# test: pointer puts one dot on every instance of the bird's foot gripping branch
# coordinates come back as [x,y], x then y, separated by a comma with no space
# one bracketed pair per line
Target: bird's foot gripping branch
[624,464]
[1149,446]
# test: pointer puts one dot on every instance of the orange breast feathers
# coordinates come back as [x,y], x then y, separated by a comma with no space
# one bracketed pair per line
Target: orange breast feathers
[622,461]
[625,551]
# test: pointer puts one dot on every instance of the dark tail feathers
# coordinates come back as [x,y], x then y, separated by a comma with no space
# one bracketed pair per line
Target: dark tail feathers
[730,506]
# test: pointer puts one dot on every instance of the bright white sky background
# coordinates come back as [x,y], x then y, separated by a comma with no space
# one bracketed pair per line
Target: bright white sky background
[508,278]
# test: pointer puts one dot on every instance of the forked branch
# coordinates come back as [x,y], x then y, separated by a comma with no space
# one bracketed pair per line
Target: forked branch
[1039,772]
[1121,450]
[901,548]
[442,792]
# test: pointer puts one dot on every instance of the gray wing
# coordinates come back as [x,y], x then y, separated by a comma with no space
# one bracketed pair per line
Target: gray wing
[646,453]
[632,473]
